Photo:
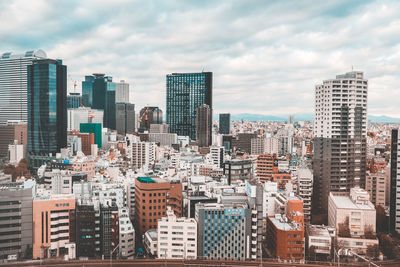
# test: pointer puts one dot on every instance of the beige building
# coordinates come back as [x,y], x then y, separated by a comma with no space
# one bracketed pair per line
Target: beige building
[355,206]
[375,184]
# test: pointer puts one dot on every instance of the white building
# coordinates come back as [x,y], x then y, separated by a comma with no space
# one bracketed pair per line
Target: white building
[217,156]
[76,116]
[61,183]
[122,92]
[126,235]
[268,145]
[355,207]
[304,190]
[320,237]
[165,139]
[143,154]
[150,242]
[177,237]
[16,152]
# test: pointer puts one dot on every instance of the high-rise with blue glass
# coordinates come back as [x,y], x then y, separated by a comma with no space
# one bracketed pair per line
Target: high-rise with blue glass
[98,92]
[47,110]
[185,93]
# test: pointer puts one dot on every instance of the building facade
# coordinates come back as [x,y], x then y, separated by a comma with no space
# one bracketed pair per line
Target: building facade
[340,129]
[185,93]
[394,221]
[125,120]
[203,125]
[225,123]
[14,84]
[47,110]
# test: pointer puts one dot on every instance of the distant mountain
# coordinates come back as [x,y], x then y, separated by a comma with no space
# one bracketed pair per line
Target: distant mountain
[298,117]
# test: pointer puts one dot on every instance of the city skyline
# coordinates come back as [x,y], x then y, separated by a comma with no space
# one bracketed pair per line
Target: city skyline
[243,45]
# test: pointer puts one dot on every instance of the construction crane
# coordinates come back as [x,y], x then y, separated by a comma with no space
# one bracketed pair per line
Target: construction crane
[73,82]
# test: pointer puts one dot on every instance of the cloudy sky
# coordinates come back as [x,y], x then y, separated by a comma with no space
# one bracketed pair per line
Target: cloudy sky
[266,56]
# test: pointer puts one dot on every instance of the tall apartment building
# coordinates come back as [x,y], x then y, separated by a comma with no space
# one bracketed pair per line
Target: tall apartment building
[177,237]
[47,110]
[98,92]
[217,156]
[142,154]
[185,93]
[13,84]
[285,145]
[225,123]
[15,220]
[126,235]
[109,230]
[203,125]
[125,120]
[340,128]
[304,190]
[122,92]
[224,231]
[394,221]
[265,167]
[53,225]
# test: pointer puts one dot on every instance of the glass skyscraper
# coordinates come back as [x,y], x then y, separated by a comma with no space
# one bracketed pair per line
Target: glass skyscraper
[13,84]
[98,92]
[224,123]
[185,93]
[47,110]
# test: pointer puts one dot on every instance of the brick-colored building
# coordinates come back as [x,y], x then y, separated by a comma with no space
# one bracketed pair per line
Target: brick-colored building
[152,195]
[87,140]
[265,167]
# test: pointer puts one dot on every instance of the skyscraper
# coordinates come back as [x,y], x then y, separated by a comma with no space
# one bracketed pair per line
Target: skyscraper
[125,120]
[340,138]
[13,84]
[98,92]
[394,221]
[203,125]
[224,123]
[47,110]
[122,92]
[149,115]
[185,93]
[74,100]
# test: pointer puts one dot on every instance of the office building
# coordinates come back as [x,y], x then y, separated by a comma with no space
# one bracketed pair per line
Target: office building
[16,153]
[163,139]
[217,156]
[109,230]
[147,116]
[13,84]
[74,100]
[16,220]
[76,116]
[203,125]
[47,110]
[53,221]
[159,128]
[177,237]
[85,230]
[94,128]
[340,129]
[223,231]
[122,92]
[10,132]
[242,142]
[86,141]
[98,92]
[225,123]
[394,218]
[375,185]
[238,169]
[125,120]
[185,93]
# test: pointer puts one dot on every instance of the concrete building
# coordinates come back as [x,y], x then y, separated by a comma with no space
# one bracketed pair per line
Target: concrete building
[142,154]
[375,185]
[52,224]
[16,221]
[125,118]
[394,219]
[85,216]
[217,156]
[224,231]
[319,240]
[242,142]
[122,92]
[109,230]
[203,125]
[10,132]
[76,116]
[177,237]
[354,211]
[164,139]
[340,130]
[126,235]
[264,145]
[304,190]
[16,152]
[159,128]
[13,84]
[150,242]
[238,169]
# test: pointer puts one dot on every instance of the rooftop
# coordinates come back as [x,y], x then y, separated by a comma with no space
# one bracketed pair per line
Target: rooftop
[344,202]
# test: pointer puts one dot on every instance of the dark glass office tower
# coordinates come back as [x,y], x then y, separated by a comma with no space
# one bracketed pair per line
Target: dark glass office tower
[394,221]
[98,92]
[125,118]
[224,123]
[185,93]
[47,110]
[203,131]
[74,100]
